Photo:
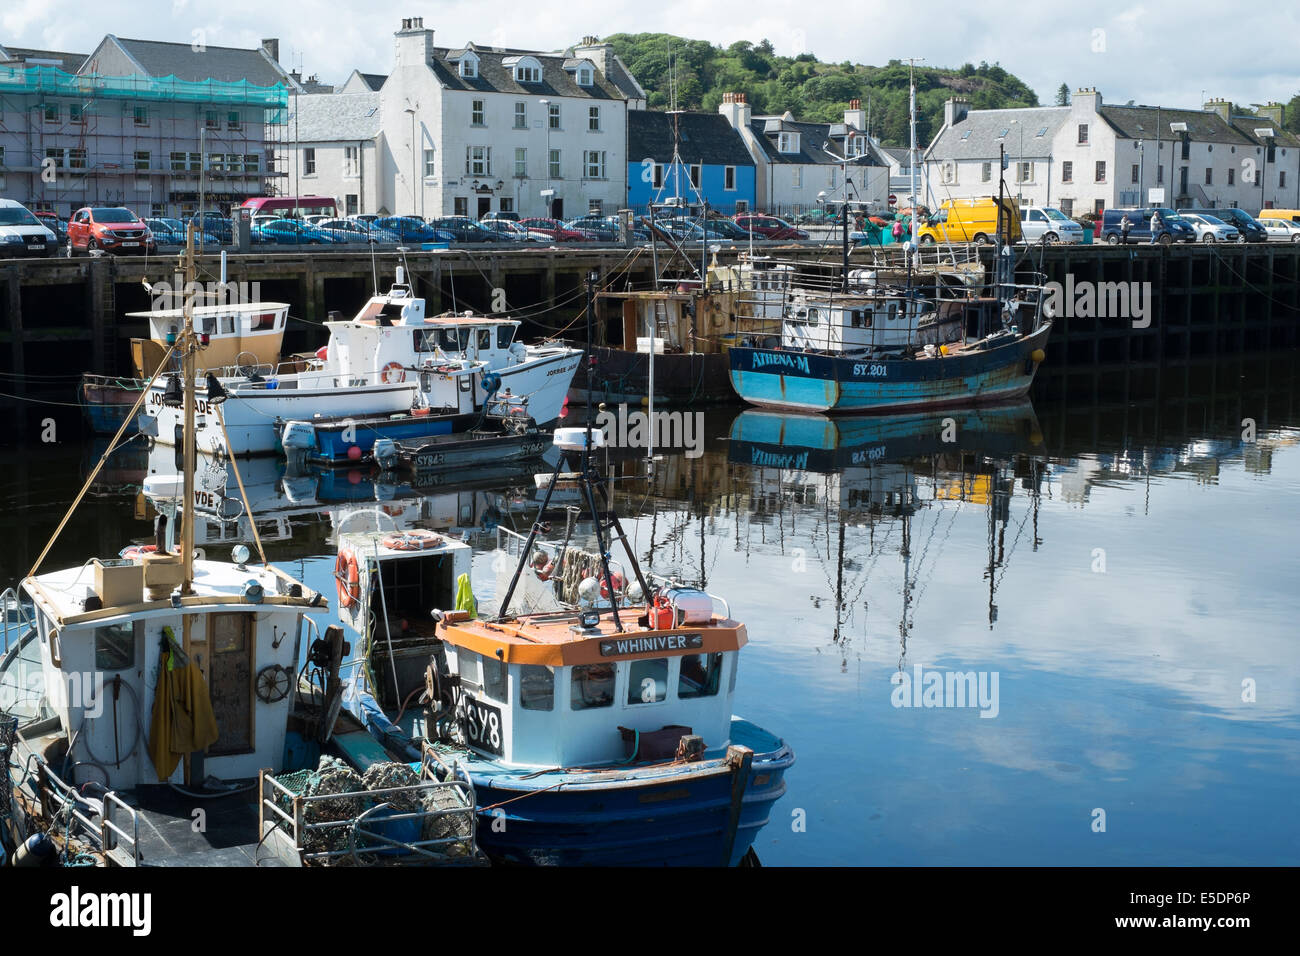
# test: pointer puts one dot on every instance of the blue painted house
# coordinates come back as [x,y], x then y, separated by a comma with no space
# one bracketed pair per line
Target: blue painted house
[715,163]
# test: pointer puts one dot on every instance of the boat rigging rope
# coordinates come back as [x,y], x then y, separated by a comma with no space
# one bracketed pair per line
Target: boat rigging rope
[234,464]
[94,473]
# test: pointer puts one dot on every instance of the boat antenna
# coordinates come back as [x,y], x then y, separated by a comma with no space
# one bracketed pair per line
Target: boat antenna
[189,349]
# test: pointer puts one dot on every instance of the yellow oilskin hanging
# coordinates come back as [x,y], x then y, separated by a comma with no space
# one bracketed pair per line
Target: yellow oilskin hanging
[183,721]
[465,596]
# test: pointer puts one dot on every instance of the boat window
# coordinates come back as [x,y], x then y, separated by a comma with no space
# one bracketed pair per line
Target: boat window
[648,681]
[470,672]
[536,687]
[495,683]
[426,340]
[592,686]
[861,319]
[227,324]
[700,675]
[115,647]
[263,322]
[504,334]
[484,339]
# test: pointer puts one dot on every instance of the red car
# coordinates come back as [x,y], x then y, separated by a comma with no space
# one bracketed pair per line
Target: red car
[769,227]
[555,229]
[113,229]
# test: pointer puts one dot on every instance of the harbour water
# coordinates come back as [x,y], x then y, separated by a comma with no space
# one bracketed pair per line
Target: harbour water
[1066,635]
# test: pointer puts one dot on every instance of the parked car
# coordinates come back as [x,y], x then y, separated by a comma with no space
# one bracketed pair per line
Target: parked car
[1239,219]
[171,232]
[499,214]
[366,217]
[350,230]
[52,222]
[1048,224]
[768,227]
[1281,230]
[508,230]
[1210,228]
[411,229]
[213,223]
[1172,229]
[821,216]
[22,234]
[114,229]
[292,232]
[598,228]
[1292,214]
[464,230]
[557,230]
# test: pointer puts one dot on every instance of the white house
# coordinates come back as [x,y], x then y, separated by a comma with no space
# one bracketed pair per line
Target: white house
[1089,156]
[467,130]
[339,150]
[797,161]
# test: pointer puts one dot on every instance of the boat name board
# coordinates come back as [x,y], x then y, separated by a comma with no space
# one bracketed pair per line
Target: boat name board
[764,359]
[651,645]
[481,725]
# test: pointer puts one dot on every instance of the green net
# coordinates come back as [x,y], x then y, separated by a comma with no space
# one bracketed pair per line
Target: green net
[21,78]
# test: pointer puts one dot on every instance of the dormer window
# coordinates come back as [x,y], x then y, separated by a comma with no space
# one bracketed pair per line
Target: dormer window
[469,66]
[585,76]
[526,69]
[788,143]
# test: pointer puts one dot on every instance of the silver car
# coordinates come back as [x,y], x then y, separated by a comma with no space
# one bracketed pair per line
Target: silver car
[1210,228]
[1048,224]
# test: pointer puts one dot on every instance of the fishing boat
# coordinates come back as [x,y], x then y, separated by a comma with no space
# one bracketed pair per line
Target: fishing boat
[389,359]
[247,334]
[598,733]
[137,686]
[871,345]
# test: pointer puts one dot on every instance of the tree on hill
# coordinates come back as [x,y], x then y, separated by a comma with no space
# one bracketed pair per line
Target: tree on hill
[1063,95]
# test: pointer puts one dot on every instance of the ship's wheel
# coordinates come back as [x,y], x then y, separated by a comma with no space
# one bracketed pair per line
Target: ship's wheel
[273,683]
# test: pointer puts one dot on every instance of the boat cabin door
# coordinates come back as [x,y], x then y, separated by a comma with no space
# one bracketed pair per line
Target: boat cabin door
[230,650]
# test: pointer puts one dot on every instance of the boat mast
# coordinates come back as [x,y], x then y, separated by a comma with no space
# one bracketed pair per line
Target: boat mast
[190,346]
[911,83]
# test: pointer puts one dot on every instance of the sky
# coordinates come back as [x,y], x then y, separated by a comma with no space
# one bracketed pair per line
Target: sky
[1152,52]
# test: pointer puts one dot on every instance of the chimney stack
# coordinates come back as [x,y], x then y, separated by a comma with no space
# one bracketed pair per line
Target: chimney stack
[272,48]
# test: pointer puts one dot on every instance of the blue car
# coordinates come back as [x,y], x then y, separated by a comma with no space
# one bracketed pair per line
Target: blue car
[410,229]
[353,230]
[171,232]
[292,232]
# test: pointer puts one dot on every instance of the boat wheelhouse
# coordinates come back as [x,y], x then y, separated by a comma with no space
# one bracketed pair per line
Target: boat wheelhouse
[569,722]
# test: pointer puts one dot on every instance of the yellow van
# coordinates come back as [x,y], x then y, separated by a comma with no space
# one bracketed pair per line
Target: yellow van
[1292,214]
[971,220]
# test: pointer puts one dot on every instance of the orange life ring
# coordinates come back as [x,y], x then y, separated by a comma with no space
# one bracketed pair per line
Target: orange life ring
[348,578]
[137,550]
[393,373]
[411,541]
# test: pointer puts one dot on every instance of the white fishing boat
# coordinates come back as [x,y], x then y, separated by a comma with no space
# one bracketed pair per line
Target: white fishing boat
[389,359]
[136,687]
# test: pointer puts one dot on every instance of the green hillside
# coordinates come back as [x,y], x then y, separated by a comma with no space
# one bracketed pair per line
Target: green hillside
[807,87]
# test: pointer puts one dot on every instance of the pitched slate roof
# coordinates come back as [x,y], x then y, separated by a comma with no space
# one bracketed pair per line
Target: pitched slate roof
[812,137]
[374,80]
[159,59]
[495,76]
[705,138]
[1143,122]
[976,135]
[1246,125]
[336,117]
[67,62]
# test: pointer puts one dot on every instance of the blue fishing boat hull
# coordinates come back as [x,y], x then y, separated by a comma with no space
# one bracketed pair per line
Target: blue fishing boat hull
[660,815]
[823,382]
[332,444]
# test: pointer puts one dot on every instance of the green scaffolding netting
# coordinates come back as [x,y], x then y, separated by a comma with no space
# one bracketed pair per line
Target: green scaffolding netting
[50,80]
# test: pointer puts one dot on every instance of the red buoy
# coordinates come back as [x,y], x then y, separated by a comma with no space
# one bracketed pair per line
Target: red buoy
[354,453]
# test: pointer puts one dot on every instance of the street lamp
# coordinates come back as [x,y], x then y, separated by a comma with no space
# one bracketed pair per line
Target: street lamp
[1266,133]
[548,193]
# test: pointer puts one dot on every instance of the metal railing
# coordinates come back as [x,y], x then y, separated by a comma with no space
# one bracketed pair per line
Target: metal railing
[358,835]
[110,833]
[65,807]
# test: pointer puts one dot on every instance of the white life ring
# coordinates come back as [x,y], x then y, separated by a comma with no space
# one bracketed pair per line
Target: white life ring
[393,373]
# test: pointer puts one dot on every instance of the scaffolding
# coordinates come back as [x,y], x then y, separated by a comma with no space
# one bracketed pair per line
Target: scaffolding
[154,156]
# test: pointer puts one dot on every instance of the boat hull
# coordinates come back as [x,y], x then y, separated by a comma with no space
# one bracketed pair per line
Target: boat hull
[680,378]
[105,404]
[254,417]
[811,381]
[661,815]
[544,380]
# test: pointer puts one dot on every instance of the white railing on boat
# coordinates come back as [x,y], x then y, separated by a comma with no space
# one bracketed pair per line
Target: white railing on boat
[64,806]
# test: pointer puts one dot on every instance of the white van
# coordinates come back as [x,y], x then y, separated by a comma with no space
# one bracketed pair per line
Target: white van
[1047,223]
[22,234]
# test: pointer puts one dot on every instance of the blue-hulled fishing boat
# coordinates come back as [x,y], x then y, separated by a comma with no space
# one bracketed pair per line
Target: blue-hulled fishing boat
[599,732]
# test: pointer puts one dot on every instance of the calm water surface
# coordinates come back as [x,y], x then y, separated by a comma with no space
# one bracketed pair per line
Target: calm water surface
[1126,569]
